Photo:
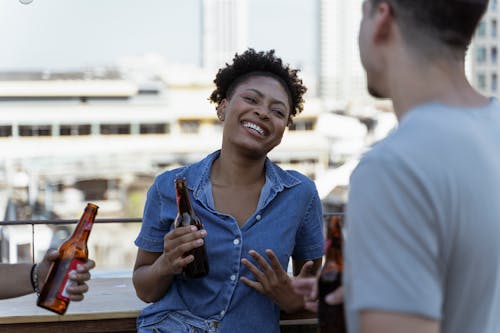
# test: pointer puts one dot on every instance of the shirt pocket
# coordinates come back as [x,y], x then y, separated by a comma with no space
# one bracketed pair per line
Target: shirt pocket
[162,323]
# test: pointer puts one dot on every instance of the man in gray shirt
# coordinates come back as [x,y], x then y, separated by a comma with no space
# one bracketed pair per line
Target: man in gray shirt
[423,217]
[422,250]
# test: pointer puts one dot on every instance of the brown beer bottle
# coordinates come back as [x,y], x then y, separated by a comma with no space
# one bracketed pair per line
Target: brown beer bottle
[186,216]
[73,251]
[331,317]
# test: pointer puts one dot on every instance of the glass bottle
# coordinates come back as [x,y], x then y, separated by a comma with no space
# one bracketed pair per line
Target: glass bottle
[73,251]
[187,216]
[331,317]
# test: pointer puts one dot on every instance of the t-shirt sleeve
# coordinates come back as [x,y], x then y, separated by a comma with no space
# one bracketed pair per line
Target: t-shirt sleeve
[309,242]
[391,248]
[152,231]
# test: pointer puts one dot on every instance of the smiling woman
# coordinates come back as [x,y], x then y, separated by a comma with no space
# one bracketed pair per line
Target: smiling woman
[255,214]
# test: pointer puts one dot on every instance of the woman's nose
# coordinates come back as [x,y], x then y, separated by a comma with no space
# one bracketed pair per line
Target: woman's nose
[262,112]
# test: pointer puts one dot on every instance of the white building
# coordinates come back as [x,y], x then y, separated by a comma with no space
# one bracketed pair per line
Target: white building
[98,135]
[483,56]
[225,31]
[341,75]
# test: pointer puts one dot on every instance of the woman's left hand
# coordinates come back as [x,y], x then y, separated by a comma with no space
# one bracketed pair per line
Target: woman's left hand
[273,281]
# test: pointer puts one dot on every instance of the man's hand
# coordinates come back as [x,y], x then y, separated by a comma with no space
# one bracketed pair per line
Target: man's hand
[308,288]
[79,276]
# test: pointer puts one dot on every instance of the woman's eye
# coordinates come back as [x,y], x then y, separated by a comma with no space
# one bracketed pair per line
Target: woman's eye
[279,112]
[250,99]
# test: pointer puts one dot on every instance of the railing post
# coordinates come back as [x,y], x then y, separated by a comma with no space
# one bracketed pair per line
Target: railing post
[33,242]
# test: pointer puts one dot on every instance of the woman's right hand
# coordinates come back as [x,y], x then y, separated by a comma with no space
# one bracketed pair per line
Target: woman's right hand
[176,244]
[155,271]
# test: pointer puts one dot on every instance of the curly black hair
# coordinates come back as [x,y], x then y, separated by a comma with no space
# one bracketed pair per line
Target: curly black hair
[253,63]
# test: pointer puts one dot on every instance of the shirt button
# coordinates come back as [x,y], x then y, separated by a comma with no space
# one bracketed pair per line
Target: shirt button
[258,217]
[236,241]
[233,277]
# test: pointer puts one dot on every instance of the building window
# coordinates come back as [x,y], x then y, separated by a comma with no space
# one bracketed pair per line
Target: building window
[302,125]
[5,130]
[481,55]
[494,54]
[493,28]
[189,126]
[154,128]
[481,81]
[113,129]
[481,29]
[494,83]
[74,130]
[493,4]
[35,130]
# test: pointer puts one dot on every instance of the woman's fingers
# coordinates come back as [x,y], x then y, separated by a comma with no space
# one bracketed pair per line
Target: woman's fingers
[179,237]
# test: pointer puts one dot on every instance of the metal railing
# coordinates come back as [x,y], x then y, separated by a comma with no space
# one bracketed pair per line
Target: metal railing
[74,221]
[60,222]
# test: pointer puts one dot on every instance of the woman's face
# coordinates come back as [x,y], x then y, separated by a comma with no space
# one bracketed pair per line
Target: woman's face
[255,116]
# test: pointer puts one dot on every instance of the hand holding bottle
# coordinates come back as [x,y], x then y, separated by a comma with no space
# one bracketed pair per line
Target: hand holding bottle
[79,277]
[187,217]
[177,243]
[73,252]
[308,288]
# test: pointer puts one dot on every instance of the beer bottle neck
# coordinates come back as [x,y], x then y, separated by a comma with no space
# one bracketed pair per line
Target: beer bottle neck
[333,253]
[183,201]
[85,224]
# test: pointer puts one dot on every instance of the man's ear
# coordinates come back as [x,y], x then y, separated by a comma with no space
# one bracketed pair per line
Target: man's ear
[384,22]
[221,110]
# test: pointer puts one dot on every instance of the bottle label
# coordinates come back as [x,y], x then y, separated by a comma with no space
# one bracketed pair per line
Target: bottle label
[61,293]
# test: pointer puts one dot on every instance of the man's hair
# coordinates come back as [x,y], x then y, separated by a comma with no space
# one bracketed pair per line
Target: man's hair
[450,23]
[251,63]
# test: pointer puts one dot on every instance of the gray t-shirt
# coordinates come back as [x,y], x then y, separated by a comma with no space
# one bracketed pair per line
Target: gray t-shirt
[423,221]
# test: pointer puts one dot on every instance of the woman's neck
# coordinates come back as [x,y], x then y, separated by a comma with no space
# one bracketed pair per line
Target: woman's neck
[237,171]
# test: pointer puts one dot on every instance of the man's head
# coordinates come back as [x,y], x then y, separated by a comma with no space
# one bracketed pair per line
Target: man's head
[429,29]
[450,23]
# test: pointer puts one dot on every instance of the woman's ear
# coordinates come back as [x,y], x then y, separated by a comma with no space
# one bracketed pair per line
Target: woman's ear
[221,110]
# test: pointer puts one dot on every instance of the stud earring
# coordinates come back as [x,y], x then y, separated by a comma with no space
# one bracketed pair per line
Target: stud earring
[220,115]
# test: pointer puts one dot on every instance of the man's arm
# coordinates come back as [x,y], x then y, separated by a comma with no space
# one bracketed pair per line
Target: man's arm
[392,322]
[16,280]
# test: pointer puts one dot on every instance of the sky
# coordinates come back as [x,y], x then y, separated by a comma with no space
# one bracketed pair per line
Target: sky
[65,34]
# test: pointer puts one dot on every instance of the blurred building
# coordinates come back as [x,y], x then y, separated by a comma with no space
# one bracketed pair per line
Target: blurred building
[93,136]
[224,31]
[483,59]
[341,75]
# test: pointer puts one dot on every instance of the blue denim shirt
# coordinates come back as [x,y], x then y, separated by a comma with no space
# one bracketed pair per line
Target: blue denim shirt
[288,220]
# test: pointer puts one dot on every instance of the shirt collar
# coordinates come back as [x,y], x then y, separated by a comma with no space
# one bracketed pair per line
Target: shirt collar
[198,175]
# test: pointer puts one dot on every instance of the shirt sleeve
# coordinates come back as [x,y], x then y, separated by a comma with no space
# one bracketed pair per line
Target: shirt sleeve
[309,242]
[391,248]
[150,237]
